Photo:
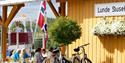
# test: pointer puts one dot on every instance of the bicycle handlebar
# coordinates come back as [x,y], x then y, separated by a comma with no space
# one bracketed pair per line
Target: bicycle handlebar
[83,45]
[78,48]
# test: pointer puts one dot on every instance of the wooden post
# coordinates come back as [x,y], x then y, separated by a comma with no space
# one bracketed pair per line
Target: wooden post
[62,7]
[4,41]
[4,32]
[53,8]
[13,12]
[5,22]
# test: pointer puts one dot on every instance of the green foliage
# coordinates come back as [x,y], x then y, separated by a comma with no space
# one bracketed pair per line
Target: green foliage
[13,26]
[33,25]
[38,43]
[0,30]
[51,44]
[64,30]
[28,25]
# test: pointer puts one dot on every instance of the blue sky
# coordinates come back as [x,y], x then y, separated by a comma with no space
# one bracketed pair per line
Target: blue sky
[31,10]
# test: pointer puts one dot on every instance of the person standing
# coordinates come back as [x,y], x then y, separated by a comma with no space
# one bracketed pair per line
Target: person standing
[49,58]
[38,56]
[44,54]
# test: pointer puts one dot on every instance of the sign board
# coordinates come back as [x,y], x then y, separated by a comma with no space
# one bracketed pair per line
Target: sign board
[24,38]
[12,2]
[110,9]
[13,38]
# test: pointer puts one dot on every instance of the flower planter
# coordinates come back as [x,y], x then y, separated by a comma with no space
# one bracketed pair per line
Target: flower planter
[113,28]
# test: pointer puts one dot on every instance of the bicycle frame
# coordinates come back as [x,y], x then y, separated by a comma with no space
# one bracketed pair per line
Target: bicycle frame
[83,52]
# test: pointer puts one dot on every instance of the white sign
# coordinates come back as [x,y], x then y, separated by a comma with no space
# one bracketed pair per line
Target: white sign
[110,9]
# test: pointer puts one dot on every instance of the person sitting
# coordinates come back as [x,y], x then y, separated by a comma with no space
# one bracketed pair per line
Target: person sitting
[16,56]
[24,55]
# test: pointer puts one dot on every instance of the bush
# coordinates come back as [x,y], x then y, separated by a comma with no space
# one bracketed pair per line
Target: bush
[64,30]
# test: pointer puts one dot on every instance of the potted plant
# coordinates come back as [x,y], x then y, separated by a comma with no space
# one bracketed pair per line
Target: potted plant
[64,31]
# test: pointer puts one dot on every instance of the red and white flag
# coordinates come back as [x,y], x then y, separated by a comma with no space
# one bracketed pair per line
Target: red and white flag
[41,18]
[42,22]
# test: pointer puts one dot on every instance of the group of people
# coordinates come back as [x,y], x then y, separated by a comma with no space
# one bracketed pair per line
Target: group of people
[43,56]
[18,55]
[35,56]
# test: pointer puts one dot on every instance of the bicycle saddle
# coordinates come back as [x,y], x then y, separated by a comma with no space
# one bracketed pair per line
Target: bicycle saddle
[56,51]
[76,49]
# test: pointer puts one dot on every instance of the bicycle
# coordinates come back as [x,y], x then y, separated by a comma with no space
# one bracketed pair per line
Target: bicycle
[76,58]
[57,57]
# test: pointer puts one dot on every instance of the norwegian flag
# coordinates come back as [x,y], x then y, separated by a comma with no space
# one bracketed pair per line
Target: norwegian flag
[41,19]
[42,22]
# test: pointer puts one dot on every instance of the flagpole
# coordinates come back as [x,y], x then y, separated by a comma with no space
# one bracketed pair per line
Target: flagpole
[41,21]
[43,38]
[34,33]
[44,33]
[43,46]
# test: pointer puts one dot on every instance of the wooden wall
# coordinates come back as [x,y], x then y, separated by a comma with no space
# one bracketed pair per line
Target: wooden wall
[108,49]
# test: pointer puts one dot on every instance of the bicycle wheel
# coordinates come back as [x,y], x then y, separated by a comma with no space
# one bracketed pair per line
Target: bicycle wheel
[76,60]
[64,60]
[46,61]
[86,60]
[56,60]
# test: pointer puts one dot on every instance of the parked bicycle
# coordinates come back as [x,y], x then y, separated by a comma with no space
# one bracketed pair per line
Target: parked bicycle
[76,57]
[57,57]
[60,57]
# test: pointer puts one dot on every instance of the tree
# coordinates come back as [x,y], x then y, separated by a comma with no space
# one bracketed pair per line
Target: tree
[12,28]
[64,30]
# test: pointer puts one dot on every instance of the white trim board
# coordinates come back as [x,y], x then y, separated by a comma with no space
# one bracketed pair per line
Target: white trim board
[12,2]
